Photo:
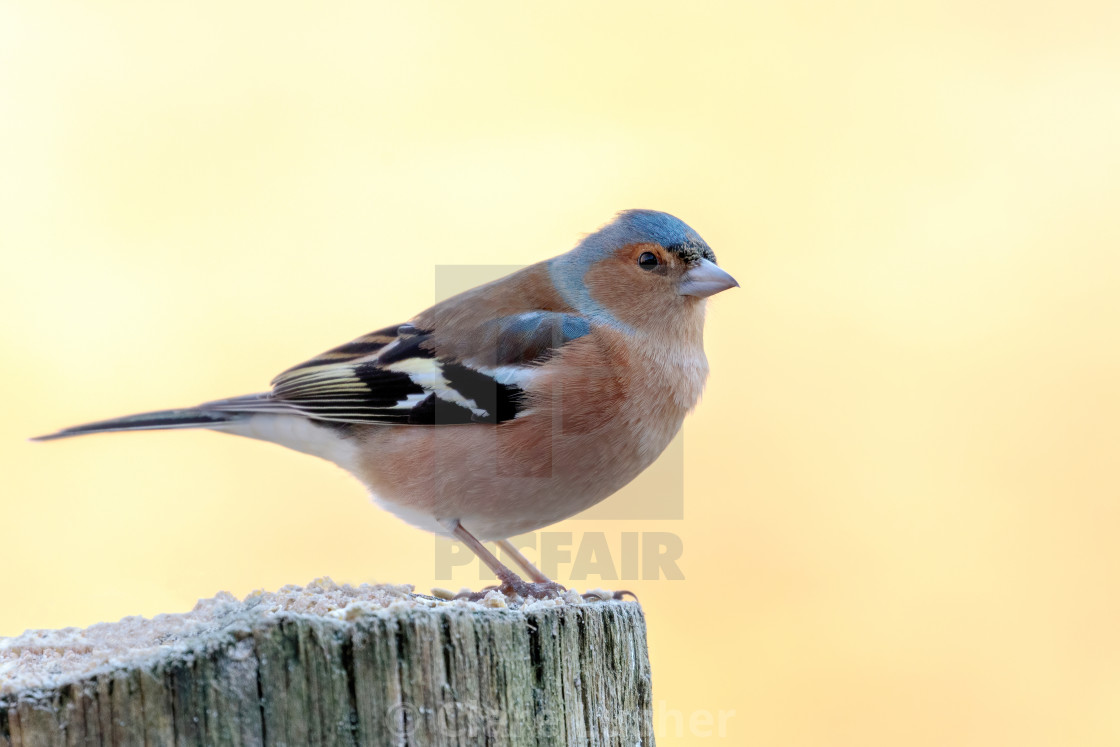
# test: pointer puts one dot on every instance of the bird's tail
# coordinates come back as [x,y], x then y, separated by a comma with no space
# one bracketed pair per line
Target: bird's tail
[151,421]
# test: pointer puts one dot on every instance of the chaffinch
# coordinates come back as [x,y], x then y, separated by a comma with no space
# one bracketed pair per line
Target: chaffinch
[510,406]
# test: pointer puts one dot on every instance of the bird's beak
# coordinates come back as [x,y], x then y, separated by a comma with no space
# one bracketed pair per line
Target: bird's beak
[706,279]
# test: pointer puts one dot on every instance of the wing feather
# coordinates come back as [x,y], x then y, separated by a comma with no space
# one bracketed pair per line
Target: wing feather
[406,375]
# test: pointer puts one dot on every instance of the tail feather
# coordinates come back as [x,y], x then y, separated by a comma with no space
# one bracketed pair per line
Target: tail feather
[150,421]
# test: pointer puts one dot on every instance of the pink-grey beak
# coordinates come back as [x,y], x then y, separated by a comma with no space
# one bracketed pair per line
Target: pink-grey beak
[706,279]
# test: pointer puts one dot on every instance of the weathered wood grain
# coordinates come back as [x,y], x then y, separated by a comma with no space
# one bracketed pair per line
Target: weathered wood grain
[441,674]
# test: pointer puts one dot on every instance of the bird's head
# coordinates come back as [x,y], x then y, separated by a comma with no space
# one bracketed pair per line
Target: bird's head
[644,268]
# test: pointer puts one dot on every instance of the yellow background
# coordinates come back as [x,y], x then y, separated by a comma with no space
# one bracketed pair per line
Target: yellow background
[902,491]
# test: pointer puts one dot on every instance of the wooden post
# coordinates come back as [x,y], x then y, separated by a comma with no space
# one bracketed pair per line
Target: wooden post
[335,665]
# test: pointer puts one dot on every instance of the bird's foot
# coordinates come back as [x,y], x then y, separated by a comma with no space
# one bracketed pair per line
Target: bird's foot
[517,589]
[537,590]
[533,589]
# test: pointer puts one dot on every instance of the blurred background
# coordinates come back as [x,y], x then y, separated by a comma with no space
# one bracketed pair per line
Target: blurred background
[901,490]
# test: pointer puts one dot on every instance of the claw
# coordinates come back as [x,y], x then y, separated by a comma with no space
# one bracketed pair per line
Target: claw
[526,590]
[518,589]
[536,589]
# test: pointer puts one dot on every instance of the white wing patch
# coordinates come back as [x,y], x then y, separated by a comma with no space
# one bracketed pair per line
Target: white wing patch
[428,374]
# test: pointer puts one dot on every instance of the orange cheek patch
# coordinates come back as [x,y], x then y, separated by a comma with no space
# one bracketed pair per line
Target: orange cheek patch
[631,295]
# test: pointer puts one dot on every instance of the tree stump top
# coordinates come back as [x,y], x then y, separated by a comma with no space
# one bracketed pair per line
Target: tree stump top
[47,659]
[336,665]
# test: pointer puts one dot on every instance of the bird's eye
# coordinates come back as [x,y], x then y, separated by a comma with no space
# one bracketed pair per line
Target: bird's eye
[647,261]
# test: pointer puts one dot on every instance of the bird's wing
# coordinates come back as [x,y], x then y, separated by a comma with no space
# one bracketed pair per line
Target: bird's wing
[413,376]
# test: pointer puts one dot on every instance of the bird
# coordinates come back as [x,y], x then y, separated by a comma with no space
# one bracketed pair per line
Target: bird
[508,407]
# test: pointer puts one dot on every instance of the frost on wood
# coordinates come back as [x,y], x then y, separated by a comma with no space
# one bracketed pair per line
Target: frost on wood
[329,664]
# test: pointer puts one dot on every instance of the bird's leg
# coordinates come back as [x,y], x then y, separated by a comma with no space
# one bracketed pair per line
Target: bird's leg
[535,573]
[504,574]
[512,584]
[521,560]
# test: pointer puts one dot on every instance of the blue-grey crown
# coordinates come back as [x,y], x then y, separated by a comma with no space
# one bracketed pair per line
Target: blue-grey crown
[651,226]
